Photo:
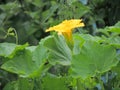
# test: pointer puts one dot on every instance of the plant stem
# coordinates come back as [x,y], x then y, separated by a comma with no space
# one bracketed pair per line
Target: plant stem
[16,36]
[80,85]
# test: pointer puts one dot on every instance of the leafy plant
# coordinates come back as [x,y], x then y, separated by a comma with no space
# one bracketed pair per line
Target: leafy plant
[88,59]
[81,67]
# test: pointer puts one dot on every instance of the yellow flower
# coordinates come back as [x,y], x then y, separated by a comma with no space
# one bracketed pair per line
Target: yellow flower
[66,27]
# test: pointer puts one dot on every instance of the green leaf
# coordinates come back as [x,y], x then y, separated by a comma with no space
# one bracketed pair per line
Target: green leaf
[25,84]
[79,40]
[78,43]
[90,37]
[59,50]
[9,49]
[31,48]
[60,83]
[114,41]
[39,55]
[20,84]
[26,63]
[93,59]
[115,28]
[21,64]
[11,86]
[49,13]
[80,10]
[117,24]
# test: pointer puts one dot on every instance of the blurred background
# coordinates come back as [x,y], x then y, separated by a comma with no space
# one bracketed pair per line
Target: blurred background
[30,18]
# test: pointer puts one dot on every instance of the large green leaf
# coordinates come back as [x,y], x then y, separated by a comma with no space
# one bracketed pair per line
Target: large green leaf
[90,37]
[39,55]
[79,40]
[20,84]
[25,84]
[27,63]
[9,49]
[93,59]
[21,64]
[59,83]
[59,51]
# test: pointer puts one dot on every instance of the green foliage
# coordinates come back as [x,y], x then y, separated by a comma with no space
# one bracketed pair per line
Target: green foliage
[115,28]
[85,63]
[60,83]
[31,17]
[90,62]
[23,60]
[21,84]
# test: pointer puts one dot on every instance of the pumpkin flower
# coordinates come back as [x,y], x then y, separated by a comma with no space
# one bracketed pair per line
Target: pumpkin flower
[65,28]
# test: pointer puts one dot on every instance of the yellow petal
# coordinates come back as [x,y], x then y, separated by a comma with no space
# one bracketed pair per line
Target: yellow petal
[67,25]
